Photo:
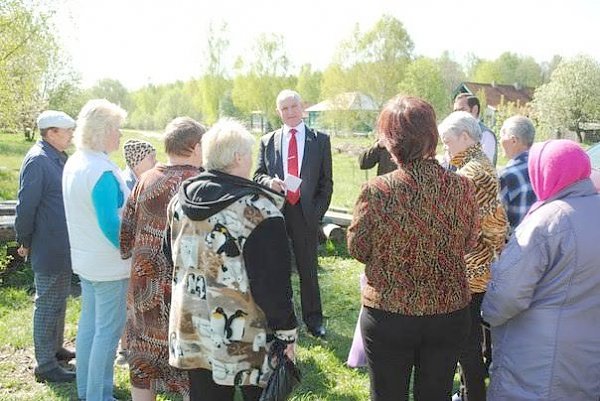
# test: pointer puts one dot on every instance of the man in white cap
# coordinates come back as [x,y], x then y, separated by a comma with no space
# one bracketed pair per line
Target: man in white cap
[42,234]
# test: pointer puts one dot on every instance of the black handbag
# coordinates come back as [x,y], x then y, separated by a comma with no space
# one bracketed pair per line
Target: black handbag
[285,377]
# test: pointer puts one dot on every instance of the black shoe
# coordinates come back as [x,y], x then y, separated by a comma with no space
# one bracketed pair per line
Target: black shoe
[317,331]
[56,375]
[65,355]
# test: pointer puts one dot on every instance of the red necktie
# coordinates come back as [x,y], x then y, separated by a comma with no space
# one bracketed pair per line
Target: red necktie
[292,166]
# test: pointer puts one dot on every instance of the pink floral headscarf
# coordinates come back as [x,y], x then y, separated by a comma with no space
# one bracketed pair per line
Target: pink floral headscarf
[555,165]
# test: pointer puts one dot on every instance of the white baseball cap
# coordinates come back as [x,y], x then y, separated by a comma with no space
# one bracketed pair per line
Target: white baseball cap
[55,119]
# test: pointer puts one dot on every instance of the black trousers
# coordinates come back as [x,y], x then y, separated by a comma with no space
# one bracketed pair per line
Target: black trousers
[304,237]
[203,388]
[471,356]
[395,344]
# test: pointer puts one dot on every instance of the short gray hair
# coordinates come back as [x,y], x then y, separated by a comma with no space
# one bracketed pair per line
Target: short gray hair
[286,94]
[96,120]
[458,122]
[521,128]
[220,144]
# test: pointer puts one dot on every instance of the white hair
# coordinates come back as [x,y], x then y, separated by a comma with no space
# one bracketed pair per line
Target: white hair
[286,94]
[458,122]
[221,143]
[95,121]
[521,128]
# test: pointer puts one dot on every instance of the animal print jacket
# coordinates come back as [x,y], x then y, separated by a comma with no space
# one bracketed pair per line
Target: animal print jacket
[474,164]
[231,279]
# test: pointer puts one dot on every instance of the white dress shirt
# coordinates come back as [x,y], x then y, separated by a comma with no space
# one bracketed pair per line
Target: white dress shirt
[488,144]
[285,142]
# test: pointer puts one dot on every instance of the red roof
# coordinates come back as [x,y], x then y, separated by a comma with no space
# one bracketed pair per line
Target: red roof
[494,93]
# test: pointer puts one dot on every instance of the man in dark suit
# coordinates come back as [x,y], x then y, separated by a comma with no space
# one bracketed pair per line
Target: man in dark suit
[296,150]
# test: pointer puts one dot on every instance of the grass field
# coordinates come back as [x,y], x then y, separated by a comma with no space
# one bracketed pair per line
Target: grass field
[346,174]
[325,376]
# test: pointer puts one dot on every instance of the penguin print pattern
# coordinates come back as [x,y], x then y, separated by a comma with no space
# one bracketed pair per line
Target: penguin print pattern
[214,322]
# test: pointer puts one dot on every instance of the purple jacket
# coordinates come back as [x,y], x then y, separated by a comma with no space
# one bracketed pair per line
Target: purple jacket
[543,303]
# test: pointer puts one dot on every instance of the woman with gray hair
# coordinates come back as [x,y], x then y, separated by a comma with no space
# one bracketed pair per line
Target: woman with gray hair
[94,194]
[461,135]
[231,300]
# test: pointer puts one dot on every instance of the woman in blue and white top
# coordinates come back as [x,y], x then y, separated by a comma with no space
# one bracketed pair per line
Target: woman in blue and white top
[94,194]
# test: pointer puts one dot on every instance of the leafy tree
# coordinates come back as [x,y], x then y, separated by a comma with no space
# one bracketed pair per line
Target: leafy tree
[213,86]
[528,72]
[174,102]
[374,62]
[508,109]
[309,84]
[257,84]
[487,71]
[335,81]
[471,63]
[113,91]
[508,68]
[66,95]
[571,98]
[424,79]
[548,67]
[145,104]
[452,73]
[27,46]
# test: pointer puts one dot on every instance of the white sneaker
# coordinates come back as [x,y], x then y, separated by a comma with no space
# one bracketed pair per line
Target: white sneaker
[456,397]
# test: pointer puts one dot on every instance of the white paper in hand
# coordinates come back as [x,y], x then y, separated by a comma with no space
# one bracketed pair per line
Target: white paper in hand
[292,183]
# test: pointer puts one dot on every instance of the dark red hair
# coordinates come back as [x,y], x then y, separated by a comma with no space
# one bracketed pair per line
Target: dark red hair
[409,128]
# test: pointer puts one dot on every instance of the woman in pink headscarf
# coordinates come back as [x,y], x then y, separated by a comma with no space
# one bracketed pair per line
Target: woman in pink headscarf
[543,301]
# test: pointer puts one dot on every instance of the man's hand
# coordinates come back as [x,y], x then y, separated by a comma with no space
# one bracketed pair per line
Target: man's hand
[277,185]
[23,252]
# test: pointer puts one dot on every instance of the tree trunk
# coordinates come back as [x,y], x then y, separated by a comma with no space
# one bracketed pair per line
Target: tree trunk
[579,135]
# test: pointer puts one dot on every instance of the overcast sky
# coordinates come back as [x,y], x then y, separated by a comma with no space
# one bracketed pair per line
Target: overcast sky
[143,41]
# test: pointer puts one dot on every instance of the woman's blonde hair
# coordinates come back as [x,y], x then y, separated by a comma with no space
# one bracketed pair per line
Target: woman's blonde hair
[221,143]
[95,121]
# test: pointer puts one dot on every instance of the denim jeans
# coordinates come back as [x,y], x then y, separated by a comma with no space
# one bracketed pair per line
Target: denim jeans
[100,326]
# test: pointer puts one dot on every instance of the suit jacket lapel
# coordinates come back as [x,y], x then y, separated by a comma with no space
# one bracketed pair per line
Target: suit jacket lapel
[278,155]
[310,141]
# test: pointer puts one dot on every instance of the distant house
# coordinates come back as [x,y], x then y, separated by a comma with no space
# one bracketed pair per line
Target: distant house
[345,101]
[355,108]
[496,94]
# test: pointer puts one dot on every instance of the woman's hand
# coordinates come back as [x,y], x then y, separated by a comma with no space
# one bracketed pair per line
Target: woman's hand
[290,351]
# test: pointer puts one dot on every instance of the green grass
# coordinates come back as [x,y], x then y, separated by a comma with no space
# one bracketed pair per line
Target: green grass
[346,174]
[12,150]
[322,362]
[325,376]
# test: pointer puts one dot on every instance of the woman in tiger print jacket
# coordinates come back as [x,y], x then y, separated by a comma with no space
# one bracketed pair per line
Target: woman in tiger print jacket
[461,136]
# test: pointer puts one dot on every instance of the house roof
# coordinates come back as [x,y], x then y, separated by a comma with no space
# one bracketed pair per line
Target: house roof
[346,101]
[494,93]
